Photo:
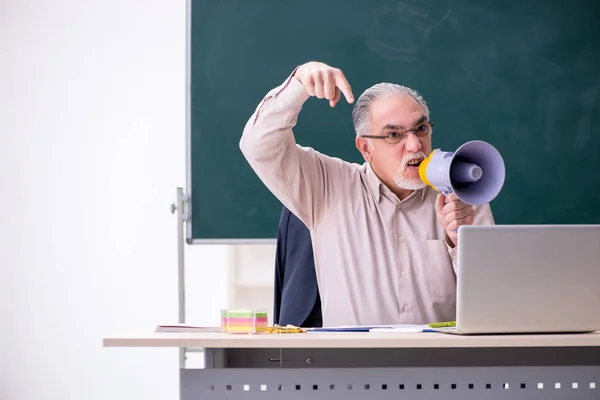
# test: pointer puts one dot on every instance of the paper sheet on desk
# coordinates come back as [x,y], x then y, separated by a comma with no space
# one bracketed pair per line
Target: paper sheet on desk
[344,328]
[186,328]
[402,329]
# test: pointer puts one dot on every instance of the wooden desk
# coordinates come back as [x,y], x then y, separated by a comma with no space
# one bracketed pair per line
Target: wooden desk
[384,366]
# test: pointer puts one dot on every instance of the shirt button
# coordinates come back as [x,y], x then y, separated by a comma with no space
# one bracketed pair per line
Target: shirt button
[404,272]
[401,238]
[406,307]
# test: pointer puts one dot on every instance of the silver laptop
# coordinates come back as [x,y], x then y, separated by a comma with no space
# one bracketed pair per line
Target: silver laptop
[528,279]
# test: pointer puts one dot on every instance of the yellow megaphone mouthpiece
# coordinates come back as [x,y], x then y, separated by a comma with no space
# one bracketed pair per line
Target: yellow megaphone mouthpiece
[423,170]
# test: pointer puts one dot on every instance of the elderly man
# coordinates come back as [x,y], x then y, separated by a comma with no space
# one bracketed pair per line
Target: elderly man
[384,242]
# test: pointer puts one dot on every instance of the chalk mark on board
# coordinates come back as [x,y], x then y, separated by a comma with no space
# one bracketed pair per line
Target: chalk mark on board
[401,33]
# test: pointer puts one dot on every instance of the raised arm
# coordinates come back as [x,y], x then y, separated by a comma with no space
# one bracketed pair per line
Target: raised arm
[300,177]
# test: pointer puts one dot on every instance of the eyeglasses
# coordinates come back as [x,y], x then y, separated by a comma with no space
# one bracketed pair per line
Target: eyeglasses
[397,136]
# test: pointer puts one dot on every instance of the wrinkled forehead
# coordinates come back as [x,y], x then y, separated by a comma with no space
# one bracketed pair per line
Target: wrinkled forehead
[402,111]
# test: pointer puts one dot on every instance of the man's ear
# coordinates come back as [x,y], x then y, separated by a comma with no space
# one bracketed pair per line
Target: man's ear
[364,147]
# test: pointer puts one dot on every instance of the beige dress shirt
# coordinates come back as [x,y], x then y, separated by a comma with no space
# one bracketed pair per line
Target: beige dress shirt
[378,260]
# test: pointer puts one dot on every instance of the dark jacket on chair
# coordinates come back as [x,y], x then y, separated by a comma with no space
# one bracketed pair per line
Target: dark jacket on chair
[297,300]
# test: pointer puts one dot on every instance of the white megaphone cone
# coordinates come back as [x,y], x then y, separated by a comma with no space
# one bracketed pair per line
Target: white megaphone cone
[475,172]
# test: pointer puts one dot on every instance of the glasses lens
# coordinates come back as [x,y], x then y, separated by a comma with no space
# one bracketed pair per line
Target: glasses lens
[422,130]
[394,139]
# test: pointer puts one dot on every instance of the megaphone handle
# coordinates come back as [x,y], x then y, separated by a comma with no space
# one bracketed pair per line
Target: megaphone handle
[446,192]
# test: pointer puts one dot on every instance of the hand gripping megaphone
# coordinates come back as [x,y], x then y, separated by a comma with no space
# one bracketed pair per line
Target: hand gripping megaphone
[474,172]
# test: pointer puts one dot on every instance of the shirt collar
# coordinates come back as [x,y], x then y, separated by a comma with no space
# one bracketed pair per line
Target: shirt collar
[374,182]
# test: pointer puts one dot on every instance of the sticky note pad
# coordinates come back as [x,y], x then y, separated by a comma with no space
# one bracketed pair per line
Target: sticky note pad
[244,321]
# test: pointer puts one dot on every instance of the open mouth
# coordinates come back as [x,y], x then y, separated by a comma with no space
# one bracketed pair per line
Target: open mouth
[415,162]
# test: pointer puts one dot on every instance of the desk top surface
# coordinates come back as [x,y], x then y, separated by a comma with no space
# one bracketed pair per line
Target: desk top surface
[349,340]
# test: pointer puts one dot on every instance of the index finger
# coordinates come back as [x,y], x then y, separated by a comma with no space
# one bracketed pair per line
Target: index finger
[342,83]
[451,197]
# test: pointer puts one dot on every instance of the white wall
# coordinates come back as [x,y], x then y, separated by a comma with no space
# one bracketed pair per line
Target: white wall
[92,119]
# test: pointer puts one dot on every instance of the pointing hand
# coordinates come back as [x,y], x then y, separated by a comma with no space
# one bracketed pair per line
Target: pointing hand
[324,82]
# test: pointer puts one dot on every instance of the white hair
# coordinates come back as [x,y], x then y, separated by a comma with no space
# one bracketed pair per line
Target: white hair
[361,113]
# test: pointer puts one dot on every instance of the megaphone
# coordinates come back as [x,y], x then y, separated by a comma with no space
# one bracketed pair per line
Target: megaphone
[474,172]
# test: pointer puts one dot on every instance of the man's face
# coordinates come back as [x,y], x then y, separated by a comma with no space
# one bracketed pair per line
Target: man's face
[396,164]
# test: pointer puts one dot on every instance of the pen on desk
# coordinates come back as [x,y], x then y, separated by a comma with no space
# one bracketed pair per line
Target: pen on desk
[442,324]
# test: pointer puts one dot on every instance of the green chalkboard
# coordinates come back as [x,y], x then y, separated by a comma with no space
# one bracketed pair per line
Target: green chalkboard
[523,75]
